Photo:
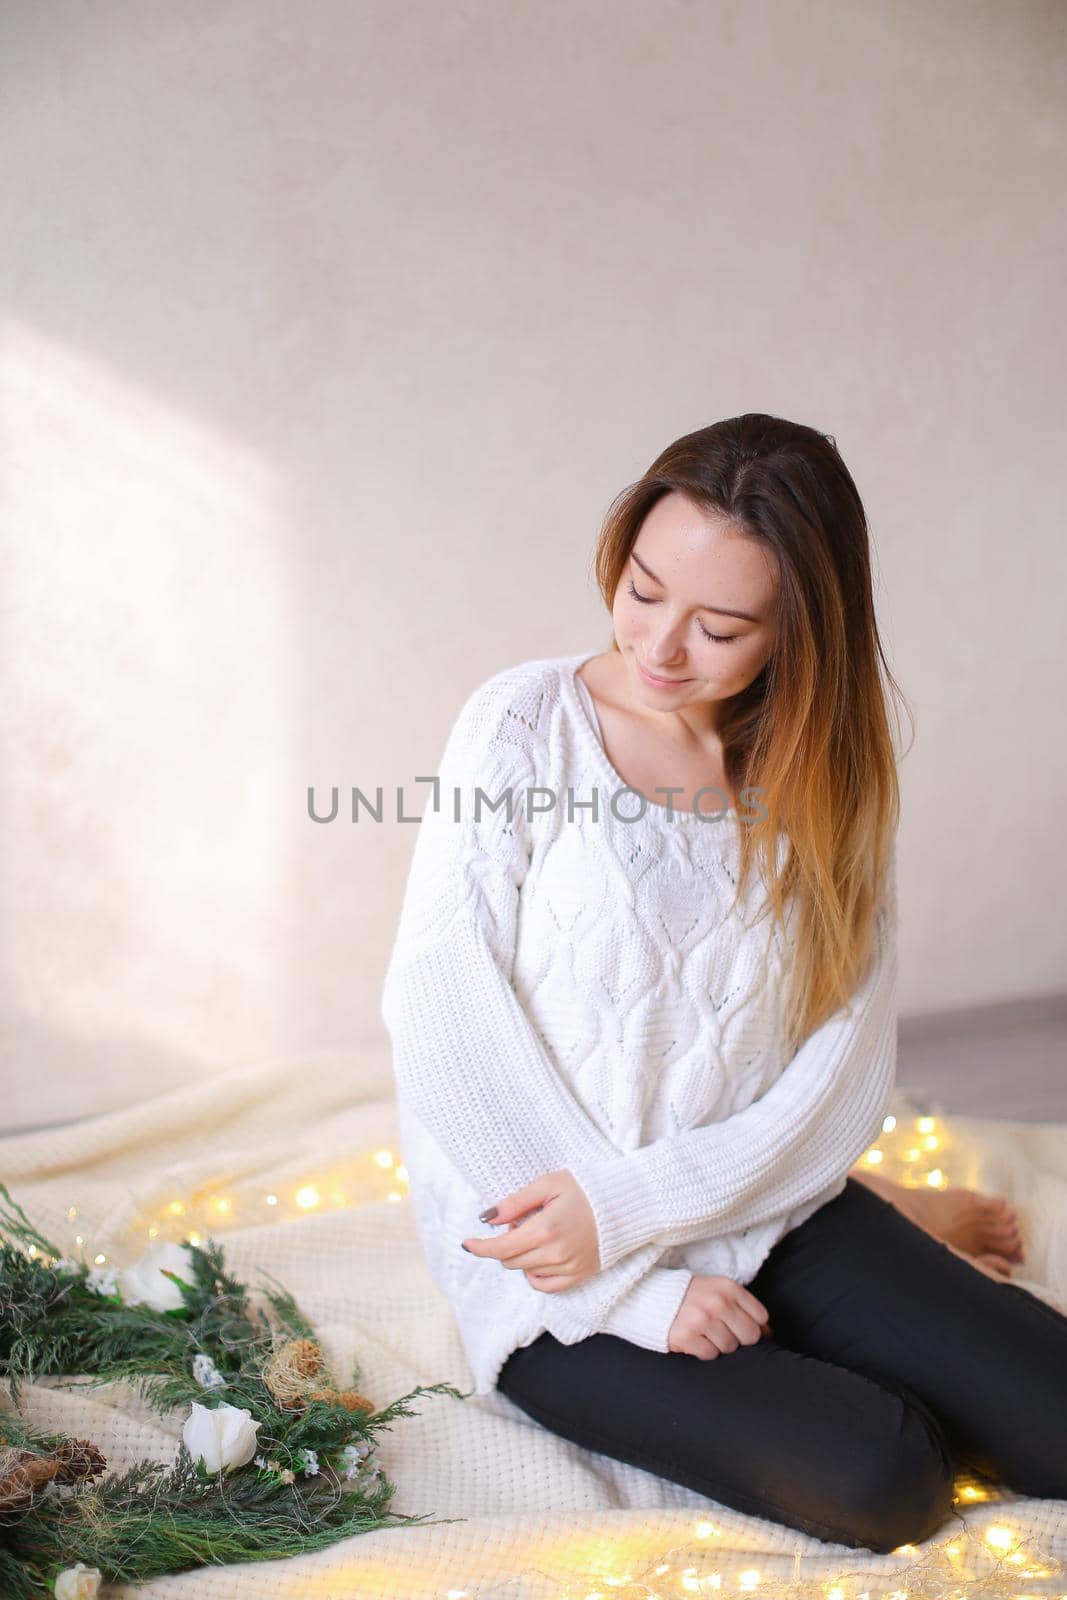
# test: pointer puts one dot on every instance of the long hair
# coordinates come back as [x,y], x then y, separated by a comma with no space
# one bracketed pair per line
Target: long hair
[812,729]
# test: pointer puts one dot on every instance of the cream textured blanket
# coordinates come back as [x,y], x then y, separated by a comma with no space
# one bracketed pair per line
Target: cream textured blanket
[516,1511]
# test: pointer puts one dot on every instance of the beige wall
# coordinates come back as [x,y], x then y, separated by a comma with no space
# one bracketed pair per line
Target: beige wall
[327,333]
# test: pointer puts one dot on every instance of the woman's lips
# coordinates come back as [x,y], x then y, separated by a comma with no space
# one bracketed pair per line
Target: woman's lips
[660,683]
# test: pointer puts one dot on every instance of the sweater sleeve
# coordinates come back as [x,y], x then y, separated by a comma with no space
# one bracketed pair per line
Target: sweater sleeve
[784,1149]
[644,1314]
[465,1053]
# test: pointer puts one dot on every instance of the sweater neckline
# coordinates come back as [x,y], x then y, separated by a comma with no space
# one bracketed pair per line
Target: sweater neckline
[580,715]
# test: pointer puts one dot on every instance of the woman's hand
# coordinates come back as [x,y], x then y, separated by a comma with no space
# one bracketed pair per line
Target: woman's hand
[716,1316]
[559,1248]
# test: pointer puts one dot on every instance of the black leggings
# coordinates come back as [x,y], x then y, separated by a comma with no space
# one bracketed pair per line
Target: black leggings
[894,1365]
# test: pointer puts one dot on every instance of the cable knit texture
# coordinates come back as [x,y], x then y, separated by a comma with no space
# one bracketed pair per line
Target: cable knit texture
[569,988]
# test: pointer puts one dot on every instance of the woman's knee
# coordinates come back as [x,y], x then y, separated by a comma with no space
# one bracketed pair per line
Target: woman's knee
[902,1493]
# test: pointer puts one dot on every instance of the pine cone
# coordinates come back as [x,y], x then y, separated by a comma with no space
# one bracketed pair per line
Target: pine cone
[79,1459]
[28,1473]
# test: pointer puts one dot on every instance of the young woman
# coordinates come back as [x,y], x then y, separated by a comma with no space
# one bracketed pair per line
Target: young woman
[642,1003]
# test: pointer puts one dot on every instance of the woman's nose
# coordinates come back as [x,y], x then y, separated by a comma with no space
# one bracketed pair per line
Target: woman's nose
[665,651]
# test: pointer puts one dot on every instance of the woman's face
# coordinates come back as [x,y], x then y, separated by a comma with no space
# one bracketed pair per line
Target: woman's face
[685,570]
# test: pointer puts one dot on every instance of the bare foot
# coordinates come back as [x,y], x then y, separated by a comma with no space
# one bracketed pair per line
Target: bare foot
[992,1265]
[977,1225]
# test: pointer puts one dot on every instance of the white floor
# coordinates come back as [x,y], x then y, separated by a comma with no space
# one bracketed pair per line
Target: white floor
[1006,1061]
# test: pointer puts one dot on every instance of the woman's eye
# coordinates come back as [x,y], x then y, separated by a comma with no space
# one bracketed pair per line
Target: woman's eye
[719,638]
[647,600]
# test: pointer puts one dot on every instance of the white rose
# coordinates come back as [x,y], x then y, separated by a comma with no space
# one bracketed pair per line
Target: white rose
[144,1283]
[78,1583]
[221,1438]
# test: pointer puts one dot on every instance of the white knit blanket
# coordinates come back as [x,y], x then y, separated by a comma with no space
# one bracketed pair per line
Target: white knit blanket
[529,1515]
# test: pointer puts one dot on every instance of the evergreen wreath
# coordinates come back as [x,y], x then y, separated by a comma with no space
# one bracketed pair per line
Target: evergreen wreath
[275,1459]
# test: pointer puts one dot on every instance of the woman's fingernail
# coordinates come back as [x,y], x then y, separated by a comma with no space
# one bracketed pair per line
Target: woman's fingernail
[487,1216]
[467,1248]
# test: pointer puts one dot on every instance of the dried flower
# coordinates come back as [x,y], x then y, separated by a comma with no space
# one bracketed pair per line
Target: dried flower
[102,1280]
[206,1372]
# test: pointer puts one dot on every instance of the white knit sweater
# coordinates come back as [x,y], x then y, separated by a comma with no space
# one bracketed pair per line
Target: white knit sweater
[569,989]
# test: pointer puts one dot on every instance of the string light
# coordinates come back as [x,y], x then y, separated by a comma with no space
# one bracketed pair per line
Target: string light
[997,1564]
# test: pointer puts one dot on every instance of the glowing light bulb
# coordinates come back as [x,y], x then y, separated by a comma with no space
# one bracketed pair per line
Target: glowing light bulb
[931,1141]
[936,1178]
[100,1260]
[176,1208]
[874,1156]
[270,1199]
[307,1197]
[72,1212]
[748,1579]
[1000,1538]
[925,1124]
[889,1124]
[192,1236]
[223,1205]
[384,1158]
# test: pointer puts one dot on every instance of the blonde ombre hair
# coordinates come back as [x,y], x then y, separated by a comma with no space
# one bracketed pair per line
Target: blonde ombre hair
[812,729]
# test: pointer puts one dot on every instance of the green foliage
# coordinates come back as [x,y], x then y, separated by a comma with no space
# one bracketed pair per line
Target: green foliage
[155,1519]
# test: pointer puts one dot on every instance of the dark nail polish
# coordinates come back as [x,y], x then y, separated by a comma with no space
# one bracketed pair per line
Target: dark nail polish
[487,1216]
[469,1252]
